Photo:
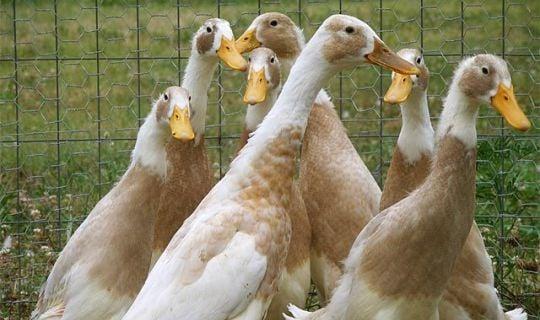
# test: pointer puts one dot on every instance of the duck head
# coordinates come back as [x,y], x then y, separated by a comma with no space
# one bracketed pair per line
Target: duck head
[215,39]
[486,78]
[403,86]
[173,109]
[263,76]
[272,30]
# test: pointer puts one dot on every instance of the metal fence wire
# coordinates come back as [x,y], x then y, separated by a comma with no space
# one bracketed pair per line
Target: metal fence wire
[77,78]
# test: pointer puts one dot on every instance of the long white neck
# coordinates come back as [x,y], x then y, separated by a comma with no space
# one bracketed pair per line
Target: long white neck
[255,113]
[149,149]
[417,135]
[458,117]
[197,79]
[291,110]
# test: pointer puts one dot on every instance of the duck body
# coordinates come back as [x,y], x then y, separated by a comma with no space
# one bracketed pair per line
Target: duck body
[104,264]
[336,217]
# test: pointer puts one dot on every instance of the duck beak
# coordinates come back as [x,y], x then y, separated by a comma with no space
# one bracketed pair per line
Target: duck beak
[256,87]
[505,102]
[229,54]
[384,57]
[247,42]
[399,90]
[181,125]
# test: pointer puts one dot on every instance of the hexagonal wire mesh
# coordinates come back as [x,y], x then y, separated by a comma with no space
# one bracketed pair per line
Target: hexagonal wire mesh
[76,80]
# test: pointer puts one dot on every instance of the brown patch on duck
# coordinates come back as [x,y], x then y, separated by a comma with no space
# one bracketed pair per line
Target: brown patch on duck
[189,179]
[161,110]
[423,78]
[342,44]
[474,83]
[205,40]
[243,139]
[301,231]
[403,177]
[114,242]
[281,38]
[411,247]
[339,191]
[268,198]
[275,72]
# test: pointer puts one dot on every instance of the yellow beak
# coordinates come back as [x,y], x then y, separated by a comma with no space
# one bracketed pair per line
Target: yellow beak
[256,88]
[505,102]
[229,54]
[384,57]
[399,90]
[181,125]
[247,42]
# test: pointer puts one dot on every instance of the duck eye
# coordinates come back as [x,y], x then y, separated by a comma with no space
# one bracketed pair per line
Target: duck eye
[165,97]
[272,60]
[249,59]
[273,23]
[189,98]
[485,70]
[208,29]
[349,29]
[418,60]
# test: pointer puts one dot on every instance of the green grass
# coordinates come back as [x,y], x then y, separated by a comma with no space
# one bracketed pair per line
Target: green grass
[46,188]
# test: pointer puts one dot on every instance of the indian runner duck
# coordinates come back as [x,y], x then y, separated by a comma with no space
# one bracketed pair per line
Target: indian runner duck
[225,260]
[341,195]
[470,293]
[190,175]
[402,261]
[263,87]
[104,264]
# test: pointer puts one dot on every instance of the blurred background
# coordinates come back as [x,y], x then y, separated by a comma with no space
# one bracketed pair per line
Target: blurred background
[78,78]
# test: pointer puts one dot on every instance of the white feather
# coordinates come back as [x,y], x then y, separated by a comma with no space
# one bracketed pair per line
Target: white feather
[517,314]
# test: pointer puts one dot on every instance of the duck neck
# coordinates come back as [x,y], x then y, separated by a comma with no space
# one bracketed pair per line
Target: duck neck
[256,113]
[197,79]
[417,136]
[287,119]
[149,151]
[454,164]
[458,118]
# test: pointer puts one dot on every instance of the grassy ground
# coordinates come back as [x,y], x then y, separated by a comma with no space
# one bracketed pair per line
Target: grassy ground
[73,148]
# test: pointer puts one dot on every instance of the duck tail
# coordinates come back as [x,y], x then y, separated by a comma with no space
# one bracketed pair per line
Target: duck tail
[516,314]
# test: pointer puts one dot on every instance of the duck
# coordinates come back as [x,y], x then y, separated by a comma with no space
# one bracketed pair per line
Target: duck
[341,196]
[402,261]
[225,260]
[104,264]
[190,175]
[470,292]
[262,90]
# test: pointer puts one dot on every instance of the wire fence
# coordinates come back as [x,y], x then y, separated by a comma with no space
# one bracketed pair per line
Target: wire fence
[77,78]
